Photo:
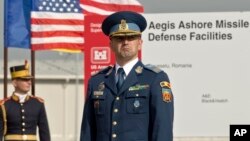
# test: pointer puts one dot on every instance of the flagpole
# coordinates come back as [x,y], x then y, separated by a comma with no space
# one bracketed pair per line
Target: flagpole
[5,62]
[33,72]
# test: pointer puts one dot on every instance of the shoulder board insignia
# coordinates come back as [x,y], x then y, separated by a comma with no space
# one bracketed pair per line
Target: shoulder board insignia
[104,70]
[38,98]
[153,68]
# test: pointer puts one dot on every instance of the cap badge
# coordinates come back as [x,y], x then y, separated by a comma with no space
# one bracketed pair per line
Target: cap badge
[123,25]
[26,64]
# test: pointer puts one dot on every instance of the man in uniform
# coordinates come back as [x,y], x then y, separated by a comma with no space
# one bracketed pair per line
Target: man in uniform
[129,101]
[21,113]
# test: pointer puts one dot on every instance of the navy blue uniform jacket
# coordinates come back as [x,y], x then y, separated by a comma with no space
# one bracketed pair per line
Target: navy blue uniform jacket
[24,118]
[141,111]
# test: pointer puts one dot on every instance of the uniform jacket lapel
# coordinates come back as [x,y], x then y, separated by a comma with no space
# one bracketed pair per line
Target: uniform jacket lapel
[110,81]
[132,78]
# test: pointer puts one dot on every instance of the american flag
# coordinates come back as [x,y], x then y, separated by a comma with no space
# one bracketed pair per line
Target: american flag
[107,7]
[57,24]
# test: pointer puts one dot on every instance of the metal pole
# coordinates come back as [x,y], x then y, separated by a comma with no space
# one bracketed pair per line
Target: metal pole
[76,95]
[5,62]
[64,118]
[33,89]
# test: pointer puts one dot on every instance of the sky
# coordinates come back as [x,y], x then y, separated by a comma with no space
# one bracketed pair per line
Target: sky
[177,6]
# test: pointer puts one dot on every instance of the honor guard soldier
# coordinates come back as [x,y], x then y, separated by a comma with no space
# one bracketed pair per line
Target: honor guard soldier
[129,101]
[21,113]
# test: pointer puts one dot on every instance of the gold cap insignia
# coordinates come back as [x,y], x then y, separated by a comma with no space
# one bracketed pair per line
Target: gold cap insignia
[123,25]
[26,64]
[21,71]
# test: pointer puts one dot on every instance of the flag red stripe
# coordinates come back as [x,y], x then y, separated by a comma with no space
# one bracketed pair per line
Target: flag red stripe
[57,34]
[56,21]
[113,7]
[68,46]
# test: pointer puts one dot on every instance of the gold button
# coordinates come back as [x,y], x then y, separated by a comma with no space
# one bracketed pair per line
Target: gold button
[23,124]
[23,129]
[22,110]
[115,110]
[114,123]
[23,117]
[114,135]
[117,98]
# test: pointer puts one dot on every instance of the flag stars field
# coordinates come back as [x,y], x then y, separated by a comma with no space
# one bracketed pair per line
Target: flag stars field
[58,6]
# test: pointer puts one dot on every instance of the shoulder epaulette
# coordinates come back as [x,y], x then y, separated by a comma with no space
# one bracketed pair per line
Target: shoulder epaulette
[38,98]
[104,70]
[153,68]
[3,101]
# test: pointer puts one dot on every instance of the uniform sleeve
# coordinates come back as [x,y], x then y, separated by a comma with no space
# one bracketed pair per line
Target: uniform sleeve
[88,127]
[161,109]
[43,125]
[1,124]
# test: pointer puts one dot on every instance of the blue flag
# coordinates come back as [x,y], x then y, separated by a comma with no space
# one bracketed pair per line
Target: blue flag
[17,23]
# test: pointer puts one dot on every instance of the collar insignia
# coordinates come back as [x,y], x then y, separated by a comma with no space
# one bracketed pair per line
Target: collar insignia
[138,69]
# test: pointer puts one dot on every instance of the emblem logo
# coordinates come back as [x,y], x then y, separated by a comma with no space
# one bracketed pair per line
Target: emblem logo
[136,103]
[166,95]
[123,25]
[100,55]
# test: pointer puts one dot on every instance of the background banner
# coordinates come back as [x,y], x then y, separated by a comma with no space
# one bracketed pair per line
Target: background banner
[97,53]
[206,56]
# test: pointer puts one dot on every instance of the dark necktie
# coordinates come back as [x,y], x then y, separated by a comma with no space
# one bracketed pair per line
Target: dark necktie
[120,80]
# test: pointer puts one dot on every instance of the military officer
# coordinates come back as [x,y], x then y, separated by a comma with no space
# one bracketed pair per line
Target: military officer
[21,113]
[129,101]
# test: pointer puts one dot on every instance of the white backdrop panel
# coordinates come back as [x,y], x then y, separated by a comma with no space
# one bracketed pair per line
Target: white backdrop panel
[208,67]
